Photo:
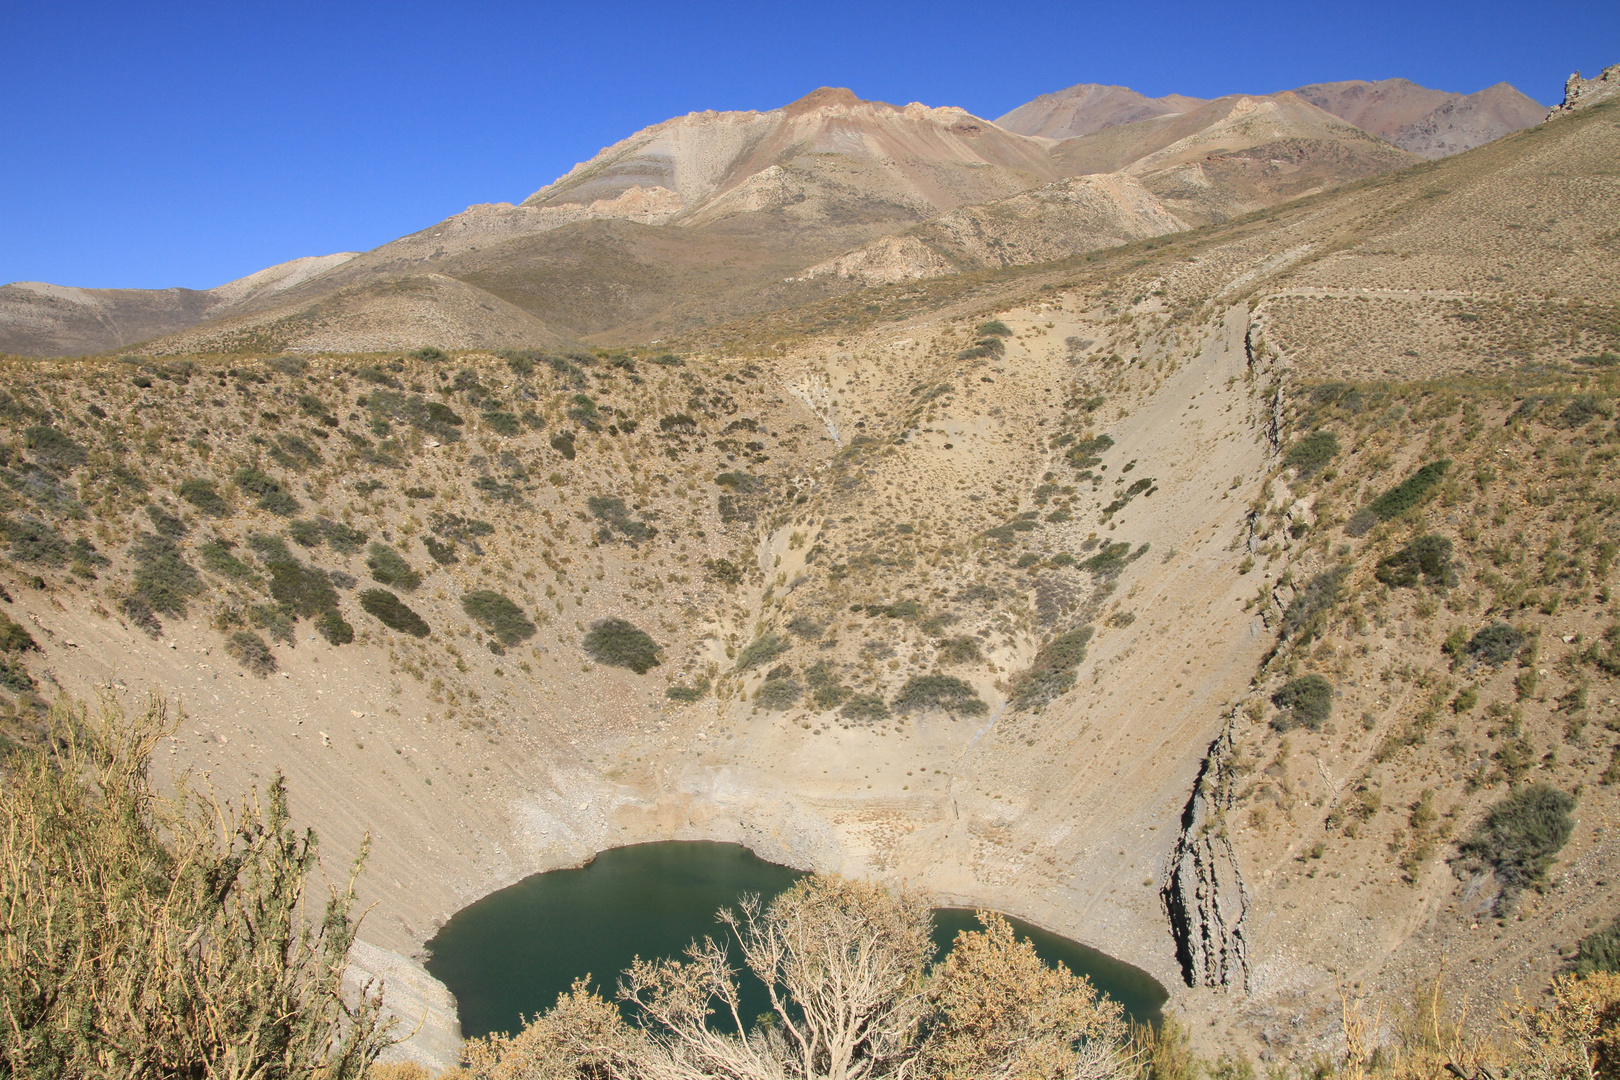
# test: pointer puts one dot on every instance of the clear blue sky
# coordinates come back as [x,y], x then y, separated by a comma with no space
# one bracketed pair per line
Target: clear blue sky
[161,144]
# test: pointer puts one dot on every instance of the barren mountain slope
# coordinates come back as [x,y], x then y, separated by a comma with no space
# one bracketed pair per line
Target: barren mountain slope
[52,320]
[1087,108]
[1429,123]
[1052,222]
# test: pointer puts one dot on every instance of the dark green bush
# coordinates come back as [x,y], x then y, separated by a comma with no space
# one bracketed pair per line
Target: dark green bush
[333,627]
[251,651]
[14,676]
[1495,644]
[295,453]
[1311,453]
[165,523]
[939,693]
[392,612]
[1312,602]
[993,328]
[1582,410]
[301,590]
[1053,672]
[1109,560]
[563,443]
[1409,492]
[34,541]
[390,568]
[737,481]
[430,354]
[960,650]
[273,496]
[270,548]
[342,538]
[53,449]
[616,519]
[1087,453]
[864,709]
[1306,701]
[768,646]
[687,694]
[778,694]
[201,494]
[216,556]
[503,423]
[1521,834]
[678,424]
[499,616]
[305,533]
[804,626]
[162,576]
[1426,557]
[1600,950]
[443,552]
[13,638]
[620,643]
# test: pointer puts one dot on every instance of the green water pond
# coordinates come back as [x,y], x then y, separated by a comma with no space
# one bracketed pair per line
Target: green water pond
[511,953]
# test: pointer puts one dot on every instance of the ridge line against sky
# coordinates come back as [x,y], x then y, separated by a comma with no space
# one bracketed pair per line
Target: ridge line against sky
[187,144]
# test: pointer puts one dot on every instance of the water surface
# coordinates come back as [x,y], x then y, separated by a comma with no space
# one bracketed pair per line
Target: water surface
[511,953]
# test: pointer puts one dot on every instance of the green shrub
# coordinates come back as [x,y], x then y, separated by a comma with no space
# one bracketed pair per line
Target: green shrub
[1428,556]
[960,650]
[392,612]
[1600,950]
[1109,560]
[498,615]
[270,548]
[737,481]
[442,552]
[1053,671]
[390,568]
[216,556]
[620,643]
[678,424]
[563,443]
[939,693]
[1087,453]
[301,590]
[687,694]
[778,694]
[53,449]
[273,496]
[165,523]
[251,651]
[333,627]
[1306,701]
[305,533]
[1410,492]
[14,676]
[343,539]
[1581,410]
[430,354]
[34,541]
[295,453]
[1521,834]
[616,519]
[162,576]
[768,646]
[804,626]
[1312,452]
[14,638]
[993,328]
[1311,603]
[202,495]
[864,709]
[1495,644]
[503,423]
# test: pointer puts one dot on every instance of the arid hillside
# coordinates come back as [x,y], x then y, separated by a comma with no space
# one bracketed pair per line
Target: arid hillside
[1198,598]
[713,216]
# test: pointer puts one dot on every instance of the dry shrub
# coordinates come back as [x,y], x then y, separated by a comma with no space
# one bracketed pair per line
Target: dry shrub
[149,937]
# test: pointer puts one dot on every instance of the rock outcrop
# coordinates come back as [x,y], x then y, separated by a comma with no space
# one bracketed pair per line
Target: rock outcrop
[1582,93]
